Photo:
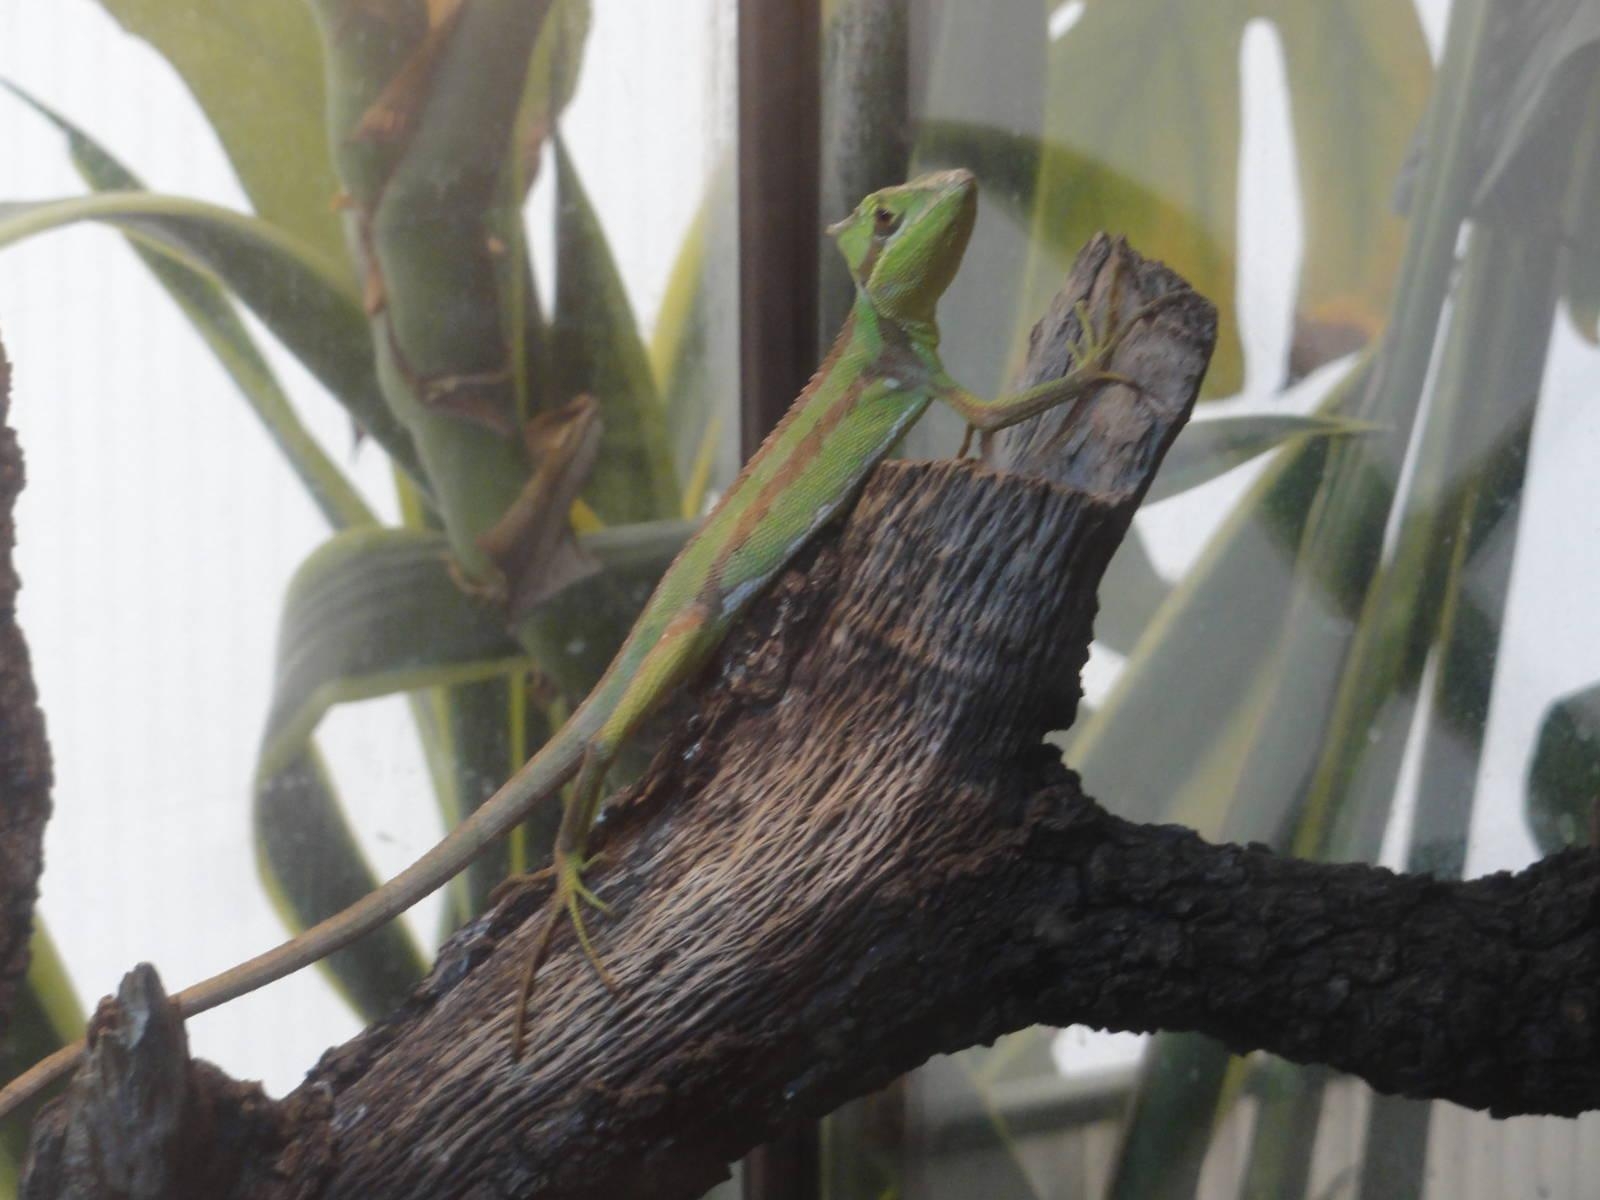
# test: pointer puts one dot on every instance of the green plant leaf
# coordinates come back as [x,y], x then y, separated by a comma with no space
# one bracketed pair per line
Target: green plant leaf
[1089,195]
[1581,226]
[598,351]
[1132,592]
[372,611]
[255,67]
[311,867]
[980,312]
[420,106]
[1359,74]
[489,729]
[1563,801]
[1168,1130]
[1553,66]
[376,611]
[575,632]
[214,318]
[1194,673]
[548,86]
[1440,593]
[552,79]
[1158,162]
[1341,550]
[691,350]
[296,291]
[47,1015]
[1284,1133]
[1209,448]
[1174,138]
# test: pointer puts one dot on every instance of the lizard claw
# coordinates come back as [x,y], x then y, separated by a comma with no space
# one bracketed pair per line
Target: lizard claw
[515,883]
[1093,346]
[568,899]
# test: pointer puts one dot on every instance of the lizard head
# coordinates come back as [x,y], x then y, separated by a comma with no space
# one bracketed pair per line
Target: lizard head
[903,244]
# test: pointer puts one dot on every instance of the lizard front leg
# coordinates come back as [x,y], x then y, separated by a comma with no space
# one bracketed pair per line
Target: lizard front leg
[1091,351]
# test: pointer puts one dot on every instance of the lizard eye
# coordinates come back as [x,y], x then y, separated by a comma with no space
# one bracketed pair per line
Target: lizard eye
[884,222]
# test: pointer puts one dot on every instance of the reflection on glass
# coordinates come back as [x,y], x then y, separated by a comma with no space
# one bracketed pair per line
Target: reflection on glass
[1347,649]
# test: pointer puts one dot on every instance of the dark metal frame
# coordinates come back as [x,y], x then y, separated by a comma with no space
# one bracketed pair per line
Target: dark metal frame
[779,103]
[779,50]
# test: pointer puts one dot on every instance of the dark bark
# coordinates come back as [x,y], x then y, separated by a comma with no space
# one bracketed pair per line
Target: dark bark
[857,852]
[25,774]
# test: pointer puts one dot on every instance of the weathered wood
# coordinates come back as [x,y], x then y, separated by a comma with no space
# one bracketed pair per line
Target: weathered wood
[857,852]
[140,1121]
[25,771]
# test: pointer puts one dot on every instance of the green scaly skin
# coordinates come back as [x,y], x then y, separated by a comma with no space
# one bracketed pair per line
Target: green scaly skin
[903,246]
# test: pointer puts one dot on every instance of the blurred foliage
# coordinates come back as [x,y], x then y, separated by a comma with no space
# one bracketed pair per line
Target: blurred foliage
[1270,691]
[255,68]
[1136,131]
[1564,777]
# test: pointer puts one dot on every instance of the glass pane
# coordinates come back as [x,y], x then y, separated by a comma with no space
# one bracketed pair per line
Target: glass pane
[339,461]
[1359,647]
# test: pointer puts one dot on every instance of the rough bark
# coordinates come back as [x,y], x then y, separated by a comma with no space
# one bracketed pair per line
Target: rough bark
[25,774]
[857,852]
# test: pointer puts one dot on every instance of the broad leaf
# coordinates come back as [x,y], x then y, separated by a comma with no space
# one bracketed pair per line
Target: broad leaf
[373,611]
[488,729]
[1563,805]
[420,109]
[1169,1125]
[1158,162]
[376,611]
[1132,592]
[1359,74]
[1552,50]
[296,291]
[574,634]
[551,81]
[1581,225]
[312,867]
[1208,448]
[1010,167]
[548,85]
[214,318]
[255,66]
[598,351]
[1195,671]
[46,1016]
[1174,136]
[979,314]
[692,352]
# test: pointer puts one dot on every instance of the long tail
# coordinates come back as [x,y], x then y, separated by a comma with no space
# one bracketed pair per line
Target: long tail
[539,777]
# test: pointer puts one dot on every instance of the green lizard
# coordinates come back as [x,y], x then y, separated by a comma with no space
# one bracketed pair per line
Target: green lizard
[903,245]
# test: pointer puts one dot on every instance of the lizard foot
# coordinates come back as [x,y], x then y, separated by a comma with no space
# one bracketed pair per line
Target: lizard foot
[1093,347]
[568,899]
[515,883]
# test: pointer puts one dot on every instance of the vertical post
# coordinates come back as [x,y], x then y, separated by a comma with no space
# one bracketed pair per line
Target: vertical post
[779,51]
[779,88]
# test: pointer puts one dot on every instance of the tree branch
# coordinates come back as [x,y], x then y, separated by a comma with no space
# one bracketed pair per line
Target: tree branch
[25,772]
[857,852]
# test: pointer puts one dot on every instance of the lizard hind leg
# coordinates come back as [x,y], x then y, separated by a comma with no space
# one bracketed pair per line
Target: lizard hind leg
[570,894]
[683,645]
[566,902]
